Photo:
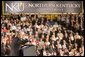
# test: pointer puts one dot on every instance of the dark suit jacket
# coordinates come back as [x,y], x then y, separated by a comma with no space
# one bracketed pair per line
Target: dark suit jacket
[16,46]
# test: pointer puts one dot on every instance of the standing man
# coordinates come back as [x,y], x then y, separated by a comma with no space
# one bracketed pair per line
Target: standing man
[16,45]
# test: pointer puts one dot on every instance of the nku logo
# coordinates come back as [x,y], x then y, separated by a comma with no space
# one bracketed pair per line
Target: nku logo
[15,7]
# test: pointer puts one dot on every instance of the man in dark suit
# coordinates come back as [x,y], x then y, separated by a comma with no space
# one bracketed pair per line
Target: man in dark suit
[16,44]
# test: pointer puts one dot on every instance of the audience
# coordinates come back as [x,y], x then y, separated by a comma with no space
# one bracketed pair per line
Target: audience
[63,37]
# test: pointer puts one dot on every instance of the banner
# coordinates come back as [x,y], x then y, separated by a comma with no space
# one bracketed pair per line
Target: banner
[42,6]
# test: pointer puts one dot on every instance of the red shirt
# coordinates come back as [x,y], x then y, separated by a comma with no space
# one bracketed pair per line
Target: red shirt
[9,40]
[36,42]
[5,30]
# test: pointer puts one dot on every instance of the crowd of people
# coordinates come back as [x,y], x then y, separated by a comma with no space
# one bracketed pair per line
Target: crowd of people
[62,36]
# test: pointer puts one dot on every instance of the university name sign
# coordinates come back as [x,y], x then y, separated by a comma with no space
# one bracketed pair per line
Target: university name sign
[42,6]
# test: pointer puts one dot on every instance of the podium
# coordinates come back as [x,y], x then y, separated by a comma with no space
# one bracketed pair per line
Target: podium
[30,50]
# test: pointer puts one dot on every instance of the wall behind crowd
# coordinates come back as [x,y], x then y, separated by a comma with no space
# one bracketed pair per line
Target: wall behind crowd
[49,16]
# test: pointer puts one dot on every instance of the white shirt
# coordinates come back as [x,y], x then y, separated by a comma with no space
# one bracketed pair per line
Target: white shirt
[4,41]
[41,26]
[51,28]
[55,26]
[47,43]
[23,18]
[13,27]
[17,29]
[64,46]
[33,43]
[58,38]
[44,53]
[72,38]
[6,21]
[26,37]
[38,26]
[28,29]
